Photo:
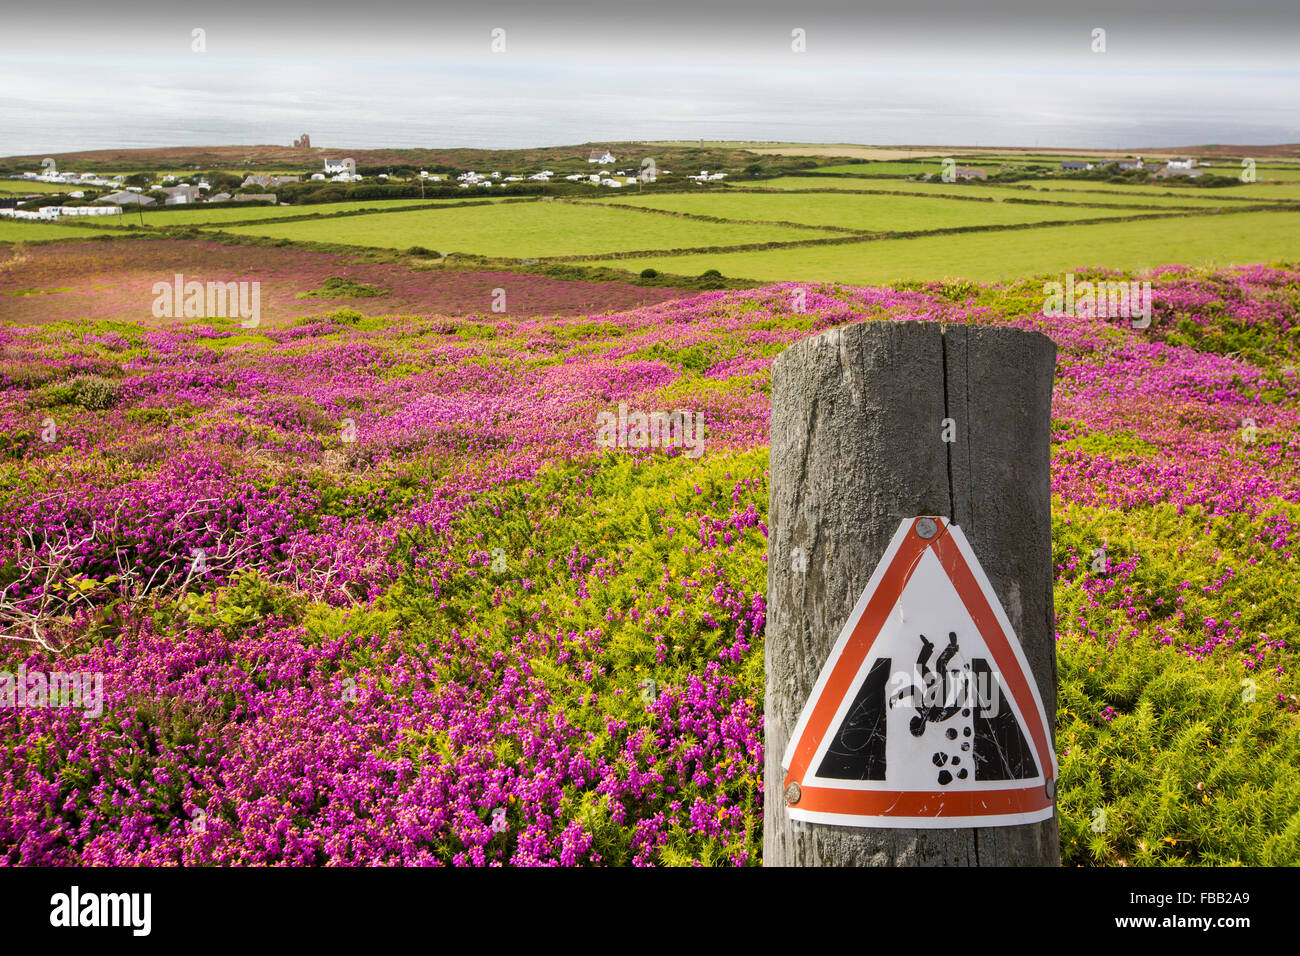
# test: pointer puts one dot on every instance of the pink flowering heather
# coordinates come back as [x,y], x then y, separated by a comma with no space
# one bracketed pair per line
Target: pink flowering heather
[354,582]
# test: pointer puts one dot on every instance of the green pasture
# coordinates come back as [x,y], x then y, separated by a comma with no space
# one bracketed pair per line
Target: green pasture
[202,214]
[1264,192]
[915,167]
[534,229]
[1187,198]
[21,187]
[985,256]
[880,212]
[18,230]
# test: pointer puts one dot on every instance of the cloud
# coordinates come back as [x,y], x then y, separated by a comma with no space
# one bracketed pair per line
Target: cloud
[1009,73]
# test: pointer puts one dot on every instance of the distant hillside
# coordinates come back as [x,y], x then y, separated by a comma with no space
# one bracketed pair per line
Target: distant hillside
[714,155]
[227,157]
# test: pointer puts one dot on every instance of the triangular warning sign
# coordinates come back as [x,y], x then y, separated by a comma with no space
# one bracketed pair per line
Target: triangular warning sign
[926,713]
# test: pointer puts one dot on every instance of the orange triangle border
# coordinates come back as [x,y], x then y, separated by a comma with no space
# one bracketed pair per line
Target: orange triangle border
[1010,805]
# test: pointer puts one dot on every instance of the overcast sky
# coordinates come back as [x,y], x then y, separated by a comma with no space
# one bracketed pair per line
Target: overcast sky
[75,75]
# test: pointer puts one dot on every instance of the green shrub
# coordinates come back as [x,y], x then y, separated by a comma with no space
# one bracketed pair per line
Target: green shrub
[1176,727]
[89,392]
[249,599]
[1186,770]
[340,287]
[14,444]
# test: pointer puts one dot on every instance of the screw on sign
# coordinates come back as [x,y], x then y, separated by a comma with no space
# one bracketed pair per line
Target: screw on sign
[926,713]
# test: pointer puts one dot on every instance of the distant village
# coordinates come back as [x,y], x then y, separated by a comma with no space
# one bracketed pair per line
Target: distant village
[83,196]
[1173,167]
[171,190]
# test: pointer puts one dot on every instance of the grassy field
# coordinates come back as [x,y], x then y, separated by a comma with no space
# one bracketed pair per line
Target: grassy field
[22,187]
[881,212]
[1030,158]
[1264,192]
[1265,174]
[1187,199]
[204,215]
[899,168]
[1118,195]
[874,196]
[1221,240]
[537,230]
[12,230]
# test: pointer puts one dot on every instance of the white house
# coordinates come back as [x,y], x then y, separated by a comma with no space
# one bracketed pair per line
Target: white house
[346,165]
[1171,170]
[602,156]
[90,210]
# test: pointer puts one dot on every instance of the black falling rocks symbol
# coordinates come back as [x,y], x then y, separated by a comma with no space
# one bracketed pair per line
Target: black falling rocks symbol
[999,752]
[940,703]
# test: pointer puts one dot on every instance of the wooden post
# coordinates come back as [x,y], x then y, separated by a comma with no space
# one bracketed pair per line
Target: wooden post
[857,445]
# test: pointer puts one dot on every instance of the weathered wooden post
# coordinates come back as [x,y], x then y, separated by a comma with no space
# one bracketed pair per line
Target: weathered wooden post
[905,457]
